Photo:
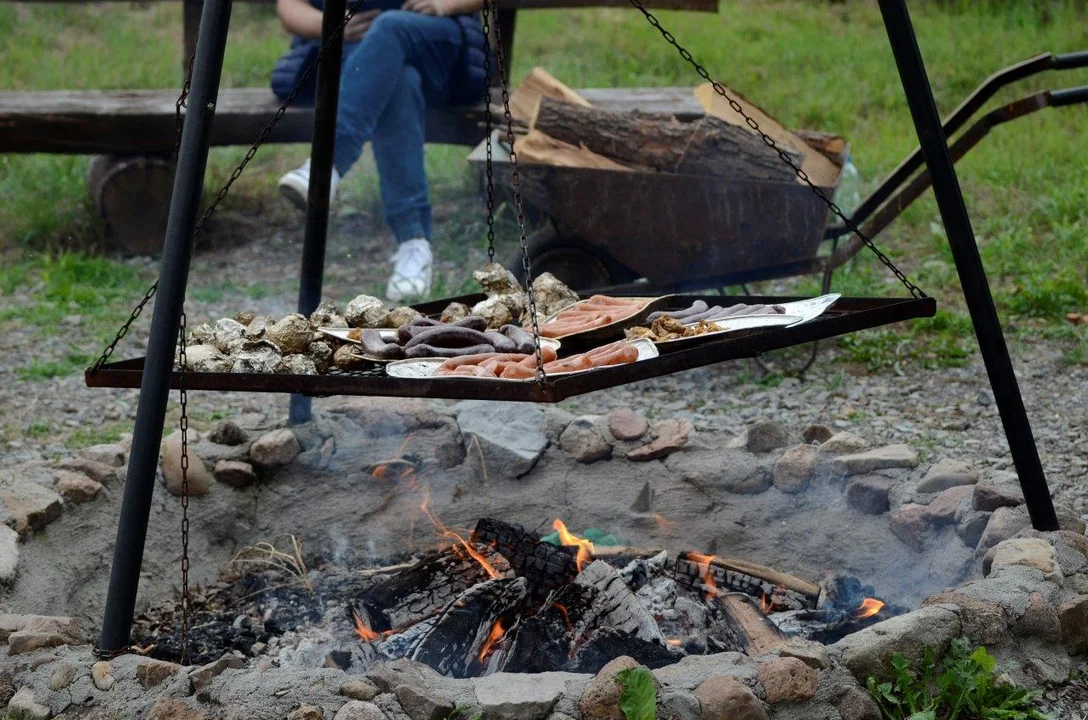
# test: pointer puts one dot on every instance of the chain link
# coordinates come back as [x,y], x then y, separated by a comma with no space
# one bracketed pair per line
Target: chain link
[915,291]
[261,139]
[515,177]
[488,128]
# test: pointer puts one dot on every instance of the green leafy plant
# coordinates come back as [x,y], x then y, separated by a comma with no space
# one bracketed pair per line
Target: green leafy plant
[638,697]
[963,687]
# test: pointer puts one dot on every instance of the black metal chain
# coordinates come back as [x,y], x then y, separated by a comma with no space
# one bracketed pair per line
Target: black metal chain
[261,139]
[186,598]
[488,128]
[515,178]
[915,291]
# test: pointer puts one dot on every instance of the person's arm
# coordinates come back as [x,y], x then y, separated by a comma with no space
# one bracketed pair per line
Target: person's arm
[301,18]
[443,8]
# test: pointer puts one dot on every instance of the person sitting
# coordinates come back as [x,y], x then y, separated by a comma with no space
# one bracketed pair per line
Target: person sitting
[397,63]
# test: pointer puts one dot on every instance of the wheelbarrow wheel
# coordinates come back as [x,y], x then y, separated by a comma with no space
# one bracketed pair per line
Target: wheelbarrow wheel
[574,261]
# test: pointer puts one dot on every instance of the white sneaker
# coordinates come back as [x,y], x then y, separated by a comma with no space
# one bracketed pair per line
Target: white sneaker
[295,185]
[412,271]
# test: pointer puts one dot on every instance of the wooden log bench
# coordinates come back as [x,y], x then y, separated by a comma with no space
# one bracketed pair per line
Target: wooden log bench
[131,132]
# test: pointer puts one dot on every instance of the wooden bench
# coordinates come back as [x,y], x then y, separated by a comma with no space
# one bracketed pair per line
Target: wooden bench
[132,131]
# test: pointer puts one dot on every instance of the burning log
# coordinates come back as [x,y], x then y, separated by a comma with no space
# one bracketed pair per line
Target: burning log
[541,643]
[543,565]
[463,638]
[614,606]
[713,574]
[757,634]
[707,146]
[424,588]
[608,644]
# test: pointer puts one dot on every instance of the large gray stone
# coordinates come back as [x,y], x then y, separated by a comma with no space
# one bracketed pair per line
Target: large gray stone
[1029,552]
[511,435]
[970,524]
[626,424]
[942,511]
[787,679]
[693,670]
[843,443]
[517,696]
[110,454]
[910,524]
[99,472]
[726,698]
[1073,615]
[601,699]
[24,705]
[77,487]
[9,554]
[43,631]
[227,432]
[423,703]
[869,651]
[766,436]
[235,473]
[888,457]
[31,505]
[583,440]
[792,472]
[869,494]
[275,448]
[947,474]
[1003,524]
[991,497]
[984,622]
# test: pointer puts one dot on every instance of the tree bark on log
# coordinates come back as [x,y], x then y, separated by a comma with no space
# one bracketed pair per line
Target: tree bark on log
[755,630]
[708,146]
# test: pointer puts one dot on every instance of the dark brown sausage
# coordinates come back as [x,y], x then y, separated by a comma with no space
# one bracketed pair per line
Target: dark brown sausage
[374,346]
[501,342]
[473,322]
[423,351]
[522,339]
[448,336]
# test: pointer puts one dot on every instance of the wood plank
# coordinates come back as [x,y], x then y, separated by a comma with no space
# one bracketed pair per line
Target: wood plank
[142,121]
[791,582]
[760,635]
[820,170]
[536,148]
[540,83]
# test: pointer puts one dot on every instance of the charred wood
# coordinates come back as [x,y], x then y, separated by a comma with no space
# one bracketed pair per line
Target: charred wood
[423,589]
[757,634]
[780,591]
[607,644]
[613,606]
[543,565]
[454,644]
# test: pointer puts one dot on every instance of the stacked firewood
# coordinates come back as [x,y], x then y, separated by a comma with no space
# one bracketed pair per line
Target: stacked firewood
[561,128]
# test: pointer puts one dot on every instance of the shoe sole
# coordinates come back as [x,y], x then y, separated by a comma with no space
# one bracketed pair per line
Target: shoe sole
[293,196]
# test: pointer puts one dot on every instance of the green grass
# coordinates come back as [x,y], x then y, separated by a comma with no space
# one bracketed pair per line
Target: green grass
[812,64]
[106,433]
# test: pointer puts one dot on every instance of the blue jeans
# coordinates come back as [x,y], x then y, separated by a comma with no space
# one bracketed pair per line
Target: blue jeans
[402,66]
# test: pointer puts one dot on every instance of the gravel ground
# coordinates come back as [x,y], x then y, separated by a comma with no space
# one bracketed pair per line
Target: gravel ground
[949,412]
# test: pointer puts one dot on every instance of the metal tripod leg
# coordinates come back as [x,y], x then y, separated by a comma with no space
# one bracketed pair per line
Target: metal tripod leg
[976,288]
[162,341]
[321,157]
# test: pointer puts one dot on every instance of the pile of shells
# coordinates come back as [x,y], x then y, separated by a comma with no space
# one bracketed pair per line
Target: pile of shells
[249,343]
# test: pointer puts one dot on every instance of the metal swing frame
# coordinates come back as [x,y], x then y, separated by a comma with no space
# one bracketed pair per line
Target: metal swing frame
[154,374]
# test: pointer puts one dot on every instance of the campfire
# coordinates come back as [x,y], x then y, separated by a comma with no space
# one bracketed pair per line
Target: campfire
[500,598]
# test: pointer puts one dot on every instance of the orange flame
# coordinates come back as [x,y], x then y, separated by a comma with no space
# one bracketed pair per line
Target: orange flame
[397,468]
[869,607]
[674,642]
[460,543]
[765,604]
[703,561]
[585,547]
[664,524]
[497,631]
[361,628]
[566,615]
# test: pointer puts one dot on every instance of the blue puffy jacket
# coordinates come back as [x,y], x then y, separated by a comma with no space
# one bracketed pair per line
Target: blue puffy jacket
[467,84]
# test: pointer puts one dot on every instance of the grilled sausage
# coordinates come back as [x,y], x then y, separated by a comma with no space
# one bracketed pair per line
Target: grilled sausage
[501,342]
[473,322]
[374,346]
[522,339]
[423,350]
[449,336]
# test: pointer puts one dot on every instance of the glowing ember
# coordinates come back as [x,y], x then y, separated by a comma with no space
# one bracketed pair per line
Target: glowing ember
[868,608]
[585,547]
[663,524]
[703,561]
[361,628]
[674,642]
[766,604]
[566,615]
[460,543]
[497,631]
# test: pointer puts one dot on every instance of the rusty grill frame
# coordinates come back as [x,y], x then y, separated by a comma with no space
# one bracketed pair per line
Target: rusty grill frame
[847,315]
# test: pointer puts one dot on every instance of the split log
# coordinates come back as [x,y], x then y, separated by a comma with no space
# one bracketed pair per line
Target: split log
[540,83]
[453,645]
[757,633]
[543,565]
[708,146]
[781,590]
[832,147]
[423,589]
[821,171]
[614,606]
[536,148]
